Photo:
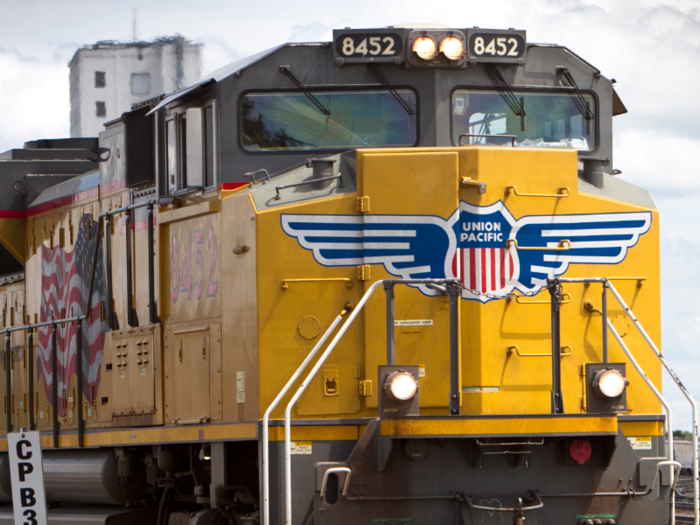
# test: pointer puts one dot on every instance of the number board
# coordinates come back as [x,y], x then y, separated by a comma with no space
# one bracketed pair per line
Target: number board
[492,45]
[368,46]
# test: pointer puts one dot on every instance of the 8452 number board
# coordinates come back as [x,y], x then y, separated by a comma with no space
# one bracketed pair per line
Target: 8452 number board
[364,46]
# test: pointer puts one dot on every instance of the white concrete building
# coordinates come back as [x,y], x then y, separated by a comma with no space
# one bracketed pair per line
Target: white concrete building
[106,78]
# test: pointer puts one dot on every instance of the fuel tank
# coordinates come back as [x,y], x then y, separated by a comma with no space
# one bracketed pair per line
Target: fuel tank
[80,476]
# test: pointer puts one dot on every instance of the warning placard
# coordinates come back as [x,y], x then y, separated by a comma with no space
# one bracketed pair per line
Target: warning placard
[301,447]
[414,322]
[27,475]
[640,443]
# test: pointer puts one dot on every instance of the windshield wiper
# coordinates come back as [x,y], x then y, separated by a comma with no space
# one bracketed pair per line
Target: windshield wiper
[516,106]
[579,101]
[288,71]
[390,89]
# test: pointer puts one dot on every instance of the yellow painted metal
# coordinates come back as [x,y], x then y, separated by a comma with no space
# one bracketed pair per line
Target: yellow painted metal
[238,331]
[642,428]
[501,426]
[12,235]
[317,433]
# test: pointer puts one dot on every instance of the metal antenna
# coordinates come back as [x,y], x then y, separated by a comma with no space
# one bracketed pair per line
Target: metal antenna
[135,25]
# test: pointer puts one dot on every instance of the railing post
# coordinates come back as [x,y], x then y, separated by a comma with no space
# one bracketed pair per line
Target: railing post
[54,384]
[390,313]
[79,371]
[8,379]
[132,319]
[30,373]
[153,315]
[111,316]
[454,292]
[604,309]
[555,290]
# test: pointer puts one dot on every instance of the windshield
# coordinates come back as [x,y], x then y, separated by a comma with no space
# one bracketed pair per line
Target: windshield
[552,120]
[291,121]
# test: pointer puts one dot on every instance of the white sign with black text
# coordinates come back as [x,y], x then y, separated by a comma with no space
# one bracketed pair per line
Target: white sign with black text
[27,474]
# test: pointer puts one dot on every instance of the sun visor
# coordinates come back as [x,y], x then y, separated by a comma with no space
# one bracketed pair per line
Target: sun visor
[618,107]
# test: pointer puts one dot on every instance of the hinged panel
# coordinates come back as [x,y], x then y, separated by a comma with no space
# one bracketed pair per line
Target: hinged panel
[142,371]
[122,355]
[190,380]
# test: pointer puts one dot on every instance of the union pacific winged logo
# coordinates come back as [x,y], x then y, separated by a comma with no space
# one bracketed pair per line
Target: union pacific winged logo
[471,245]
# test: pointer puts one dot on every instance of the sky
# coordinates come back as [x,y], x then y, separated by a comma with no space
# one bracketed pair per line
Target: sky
[650,47]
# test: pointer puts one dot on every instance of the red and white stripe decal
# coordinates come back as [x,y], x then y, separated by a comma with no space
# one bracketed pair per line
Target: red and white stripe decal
[485,270]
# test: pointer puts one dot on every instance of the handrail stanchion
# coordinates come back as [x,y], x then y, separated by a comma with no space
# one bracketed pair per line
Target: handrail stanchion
[555,290]
[455,292]
[390,328]
[30,373]
[604,309]
[54,384]
[273,405]
[153,314]
[79,373]
[8,379]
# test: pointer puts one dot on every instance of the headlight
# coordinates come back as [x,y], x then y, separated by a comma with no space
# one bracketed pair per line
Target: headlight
[425,47]
[452,47]
[610,383]
[401,385]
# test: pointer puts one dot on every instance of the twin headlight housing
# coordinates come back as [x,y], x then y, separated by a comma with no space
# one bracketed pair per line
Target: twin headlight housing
[432,47]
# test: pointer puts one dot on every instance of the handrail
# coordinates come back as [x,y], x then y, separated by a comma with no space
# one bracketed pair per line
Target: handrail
[517,351]
[339,176]
[538,505]
[669,418]
[317,367]
[637,324]
[564,245]
[285,282]
[563,193]
[512,138]
[336,470]
[517,297]
[273,405]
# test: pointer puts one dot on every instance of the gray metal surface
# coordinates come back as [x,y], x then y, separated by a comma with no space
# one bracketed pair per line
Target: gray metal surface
[433,489]
[90,515]
[314,66]
[67,188]
[618,189]
[76,476]
[264,194]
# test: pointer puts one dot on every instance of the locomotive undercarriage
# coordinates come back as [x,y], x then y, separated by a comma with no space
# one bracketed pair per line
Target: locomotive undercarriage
[397,472]
[440,479]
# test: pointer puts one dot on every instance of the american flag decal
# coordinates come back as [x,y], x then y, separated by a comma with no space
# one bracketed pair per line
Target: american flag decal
[65,285]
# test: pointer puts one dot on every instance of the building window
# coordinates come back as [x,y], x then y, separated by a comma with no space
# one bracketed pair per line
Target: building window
[140,84]
[100,109]
[100,81]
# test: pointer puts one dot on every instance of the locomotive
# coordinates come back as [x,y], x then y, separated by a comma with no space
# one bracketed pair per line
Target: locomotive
[391,279]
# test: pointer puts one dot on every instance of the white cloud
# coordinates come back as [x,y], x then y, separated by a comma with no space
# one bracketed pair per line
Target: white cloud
[34,100]
[658,161]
